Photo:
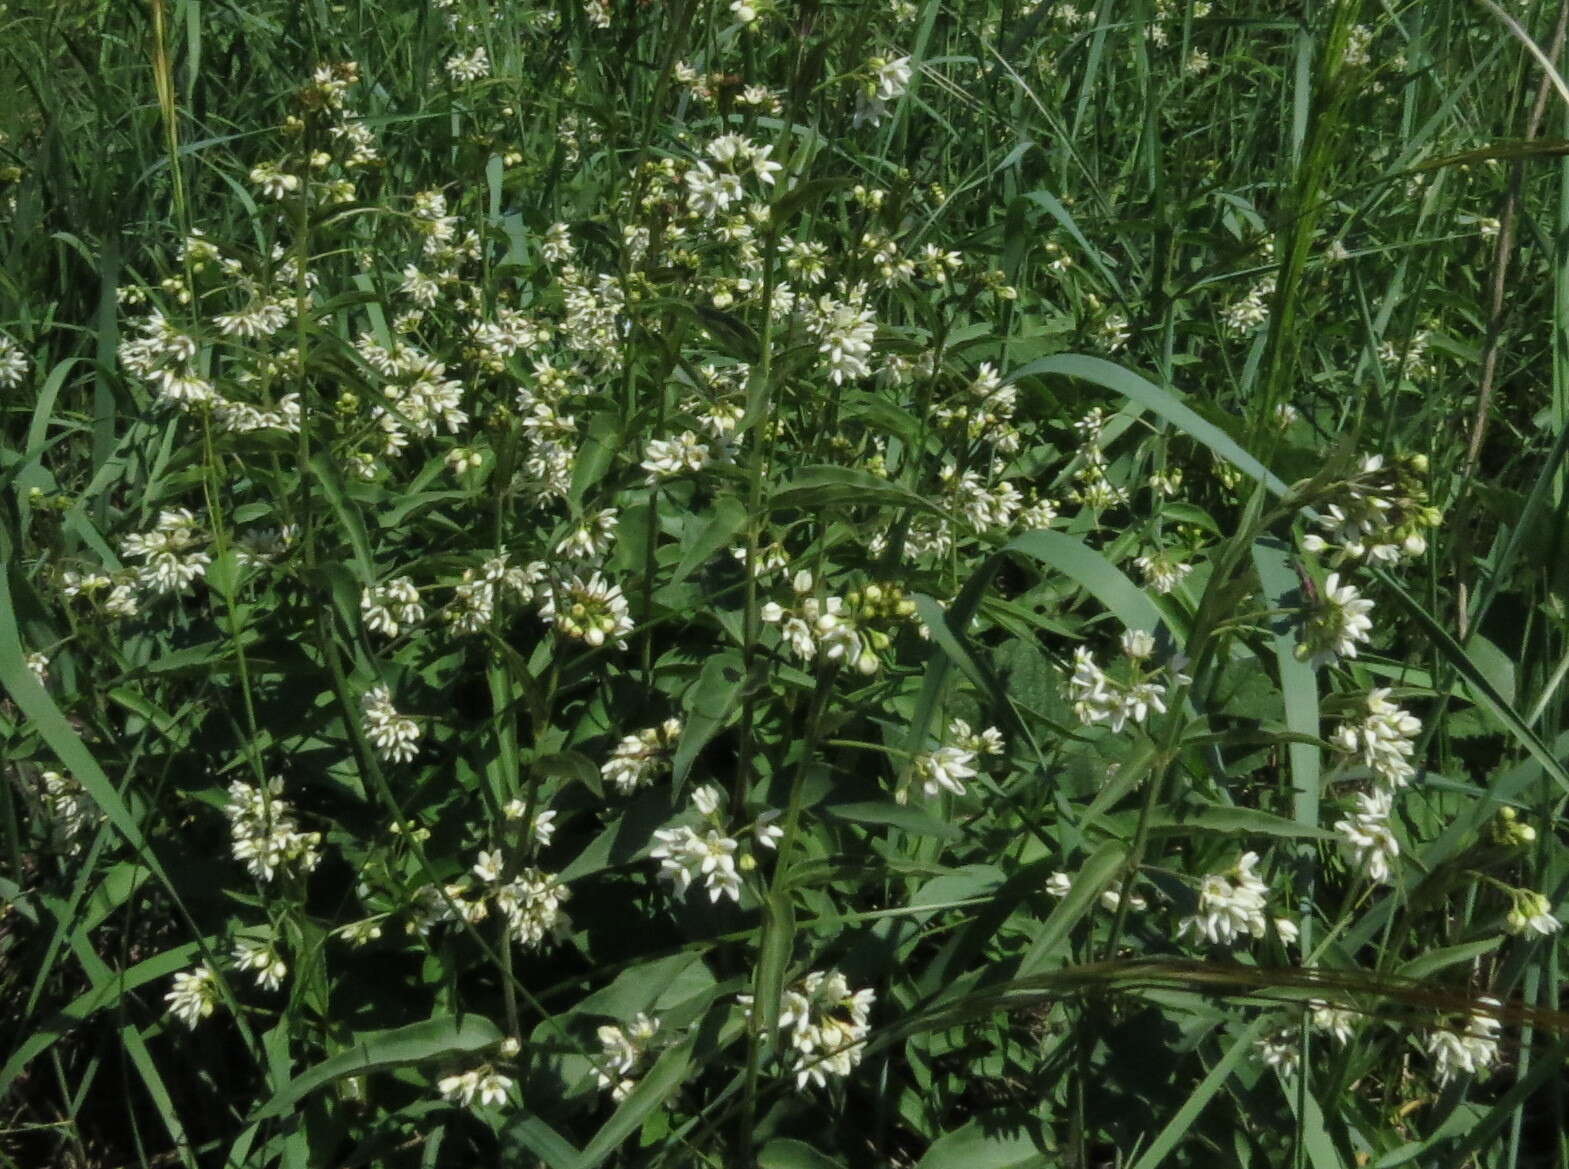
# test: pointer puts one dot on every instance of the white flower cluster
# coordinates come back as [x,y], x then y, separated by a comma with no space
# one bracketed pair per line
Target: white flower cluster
[1098,697]
[1531,914]
[165,357]
[1232,904]
[1384,740]
[666,458]
[947,767]
[712,190]
[826,627]
[885,81]
[476,595]
[639,759]
[262,959]
[263,833]
[531,902]
[13,363]
[623,1051]
[1367,837]
[392,607]
[984,506]
[590,537]
[113,596]
[484,1086]
[827,1024]
[395,736]
[1472,1049]
[1252,310]
[1335,624]
[685,855]
[1162,570]
[194,996]
[985,410]
[592,610]
[417,396]
[1335,1021]
[1279,1050]
[171,554]
[1381,515]
[470,66]
[71,809]
[844,328]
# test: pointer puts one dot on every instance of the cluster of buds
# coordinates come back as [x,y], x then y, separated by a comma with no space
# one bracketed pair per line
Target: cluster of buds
[1508,830]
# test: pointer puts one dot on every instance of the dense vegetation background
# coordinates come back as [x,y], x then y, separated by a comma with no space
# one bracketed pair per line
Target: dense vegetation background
[787,583]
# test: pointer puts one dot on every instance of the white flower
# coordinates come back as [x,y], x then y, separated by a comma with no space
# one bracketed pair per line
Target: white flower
[663,458]
[591,610]
[827,1025]
[488,867]
[890,79]
[194,996]
[685,856]
[273,182]
[766,833]
[13,364]
[944,769]
[1231,904]
[1472,1050]
[1279,1051]
[1368,839]
[1337,1021]
[1336,624]
[472,66]
[395,736]
[638,759]
[391,607]
[1532,914]
[263,833]
[262,959]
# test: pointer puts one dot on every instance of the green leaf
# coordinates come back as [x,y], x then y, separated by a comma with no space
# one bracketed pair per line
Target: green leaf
[331,483]
[1443,958]
[782,1153]
[1177,1127]
[667,1074]
[1130,385]
[1099,871]
[900,816]
[709,704]
[418,1043]
[1229,821]
[1062,553]
[830,486]
[979,1145]
[726,519]
[1486,695]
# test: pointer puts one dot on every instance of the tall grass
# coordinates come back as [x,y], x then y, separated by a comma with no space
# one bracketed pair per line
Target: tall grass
[778,584]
